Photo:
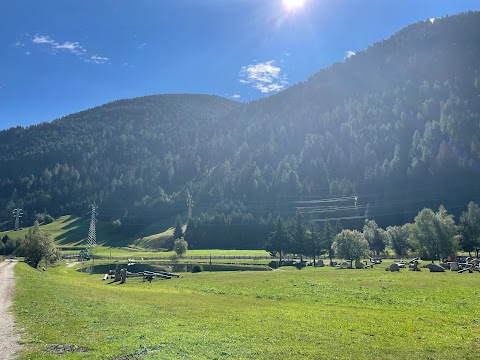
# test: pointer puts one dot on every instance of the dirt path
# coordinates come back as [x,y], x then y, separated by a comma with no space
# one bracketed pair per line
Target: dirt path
[8,335]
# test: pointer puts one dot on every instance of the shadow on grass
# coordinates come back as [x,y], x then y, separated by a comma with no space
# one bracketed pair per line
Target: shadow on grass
[76,232]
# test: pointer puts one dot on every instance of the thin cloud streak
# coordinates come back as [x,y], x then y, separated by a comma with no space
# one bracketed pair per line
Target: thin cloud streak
[95,59]
[72,47]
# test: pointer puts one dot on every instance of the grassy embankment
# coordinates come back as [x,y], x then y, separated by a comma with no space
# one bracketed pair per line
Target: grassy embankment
[70,235]
[307,314]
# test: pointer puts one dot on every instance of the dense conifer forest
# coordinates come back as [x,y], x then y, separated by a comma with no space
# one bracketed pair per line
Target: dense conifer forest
[381,135]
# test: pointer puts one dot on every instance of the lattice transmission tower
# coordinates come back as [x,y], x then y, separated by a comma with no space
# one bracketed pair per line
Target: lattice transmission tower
[92,233]
[17,214]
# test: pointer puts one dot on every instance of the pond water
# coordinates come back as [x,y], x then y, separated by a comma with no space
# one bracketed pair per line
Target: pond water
[168,267]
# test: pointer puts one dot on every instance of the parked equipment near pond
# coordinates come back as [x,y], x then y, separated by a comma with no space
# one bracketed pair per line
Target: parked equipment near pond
[121,274]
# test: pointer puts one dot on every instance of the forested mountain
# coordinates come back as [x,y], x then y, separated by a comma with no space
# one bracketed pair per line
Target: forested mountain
[396,126]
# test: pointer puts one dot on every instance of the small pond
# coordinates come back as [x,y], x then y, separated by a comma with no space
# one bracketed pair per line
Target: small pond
[177,268]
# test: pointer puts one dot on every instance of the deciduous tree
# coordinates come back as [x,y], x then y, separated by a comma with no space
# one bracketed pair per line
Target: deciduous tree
[350,245]
[398,236]
[38,245]
[374,236]
[180,246]
[470,229]
[433,233]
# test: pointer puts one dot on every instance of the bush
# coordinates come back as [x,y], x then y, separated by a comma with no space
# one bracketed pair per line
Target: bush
[48,219]
[300,265]
[197,268]
[273,264]
[44,218]
[116,225]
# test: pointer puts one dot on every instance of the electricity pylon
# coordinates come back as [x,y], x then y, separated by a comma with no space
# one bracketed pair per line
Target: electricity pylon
[92,236]
[17,214]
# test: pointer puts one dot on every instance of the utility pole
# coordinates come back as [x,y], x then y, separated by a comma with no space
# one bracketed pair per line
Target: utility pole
[92,236]
[17,214]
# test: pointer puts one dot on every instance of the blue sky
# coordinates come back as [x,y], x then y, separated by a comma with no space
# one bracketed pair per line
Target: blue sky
[62,56]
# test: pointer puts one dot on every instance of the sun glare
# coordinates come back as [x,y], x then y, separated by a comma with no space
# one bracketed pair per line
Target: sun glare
[291,5]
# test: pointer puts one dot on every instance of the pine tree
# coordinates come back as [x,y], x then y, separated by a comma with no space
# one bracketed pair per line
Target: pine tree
[178,232]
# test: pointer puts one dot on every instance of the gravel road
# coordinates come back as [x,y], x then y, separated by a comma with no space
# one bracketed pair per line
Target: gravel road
[8,335]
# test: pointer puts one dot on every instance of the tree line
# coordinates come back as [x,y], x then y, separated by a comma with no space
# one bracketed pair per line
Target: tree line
[432,235]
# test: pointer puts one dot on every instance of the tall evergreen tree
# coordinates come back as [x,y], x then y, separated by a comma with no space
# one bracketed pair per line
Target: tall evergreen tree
[298,243]
[313,241]
[328,237]
[279,241]
[178,231]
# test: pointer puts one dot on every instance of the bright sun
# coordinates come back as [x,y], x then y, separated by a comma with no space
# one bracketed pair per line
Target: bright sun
[290,5]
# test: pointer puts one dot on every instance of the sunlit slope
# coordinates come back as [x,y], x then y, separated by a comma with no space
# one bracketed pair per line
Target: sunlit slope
[71,233]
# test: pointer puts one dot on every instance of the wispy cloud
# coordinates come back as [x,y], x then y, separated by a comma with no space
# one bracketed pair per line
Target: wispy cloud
[265,77]
[349,54]
[236,96]
[141,46]
[40,39]
[72,47]
[19,44]
[95,59]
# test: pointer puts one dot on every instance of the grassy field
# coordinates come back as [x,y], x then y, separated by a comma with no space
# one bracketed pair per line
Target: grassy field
[307,314]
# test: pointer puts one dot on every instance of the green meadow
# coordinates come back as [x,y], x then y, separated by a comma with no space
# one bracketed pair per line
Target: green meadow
[322,313]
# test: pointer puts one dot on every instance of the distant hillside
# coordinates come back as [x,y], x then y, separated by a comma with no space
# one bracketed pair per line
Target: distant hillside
[396,125]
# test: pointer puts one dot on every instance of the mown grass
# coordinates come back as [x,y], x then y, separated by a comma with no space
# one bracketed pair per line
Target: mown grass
[308,314]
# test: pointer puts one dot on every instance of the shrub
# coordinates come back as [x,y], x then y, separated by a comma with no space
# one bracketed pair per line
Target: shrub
[273,264]
[197,268]
[116,225]
[44,218]
[300,265]
[48,219]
